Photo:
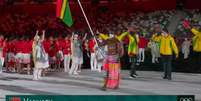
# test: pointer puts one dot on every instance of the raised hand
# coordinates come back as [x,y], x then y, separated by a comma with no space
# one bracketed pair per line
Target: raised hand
[37,32]
[43,31]
[97,32]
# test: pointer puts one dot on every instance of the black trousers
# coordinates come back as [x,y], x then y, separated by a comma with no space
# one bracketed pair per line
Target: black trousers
[198,60]
[167,66]
[133,66]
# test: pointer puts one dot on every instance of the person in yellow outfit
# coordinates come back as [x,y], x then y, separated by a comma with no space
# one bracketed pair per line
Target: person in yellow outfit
[167,48]
[196,30]
[132,50]
[196,40]
[197,45]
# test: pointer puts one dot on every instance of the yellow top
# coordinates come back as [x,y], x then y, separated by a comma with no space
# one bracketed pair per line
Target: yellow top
[156,37]
[119,37]
[133,44]
[167,45]
[196,40]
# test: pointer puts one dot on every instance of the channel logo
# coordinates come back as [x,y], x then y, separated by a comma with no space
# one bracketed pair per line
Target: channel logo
[186,98]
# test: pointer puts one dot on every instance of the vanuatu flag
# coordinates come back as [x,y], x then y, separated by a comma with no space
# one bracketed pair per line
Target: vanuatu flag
[63,12]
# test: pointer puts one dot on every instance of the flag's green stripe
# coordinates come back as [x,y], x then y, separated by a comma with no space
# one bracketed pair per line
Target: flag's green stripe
[67,15]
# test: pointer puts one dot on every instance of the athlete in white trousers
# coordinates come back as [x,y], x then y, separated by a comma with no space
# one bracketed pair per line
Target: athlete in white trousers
[93,62]
[67,59]
[186,48]
[92,46]
[154,51]
[77,54]
[141,55]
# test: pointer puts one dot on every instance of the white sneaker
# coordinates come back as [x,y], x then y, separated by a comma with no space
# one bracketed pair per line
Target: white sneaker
[70,73]
[65,70]
[35,79]
[40,78]
[75,73]
[99,71]
[133,76]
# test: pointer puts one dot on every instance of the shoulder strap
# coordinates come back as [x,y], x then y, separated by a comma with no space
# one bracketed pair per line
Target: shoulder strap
[171,44]
[135,39]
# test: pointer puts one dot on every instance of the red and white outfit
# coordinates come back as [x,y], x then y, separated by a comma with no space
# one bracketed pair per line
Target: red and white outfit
[93,61]
[67,54]
[59,54]
[142,45]
[19,47]
[26,52]
[11,53]
[46,44]
[52,53]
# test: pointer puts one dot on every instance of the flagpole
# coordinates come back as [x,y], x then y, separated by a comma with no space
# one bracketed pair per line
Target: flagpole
[87,21]
[89,26]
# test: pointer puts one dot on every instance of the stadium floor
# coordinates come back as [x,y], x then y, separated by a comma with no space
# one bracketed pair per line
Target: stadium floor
[89,83]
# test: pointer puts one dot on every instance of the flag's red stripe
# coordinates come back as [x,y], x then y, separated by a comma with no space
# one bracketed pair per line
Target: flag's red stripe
[58,8]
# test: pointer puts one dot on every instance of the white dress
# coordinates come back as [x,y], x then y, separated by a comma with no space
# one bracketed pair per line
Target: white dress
[41,57]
